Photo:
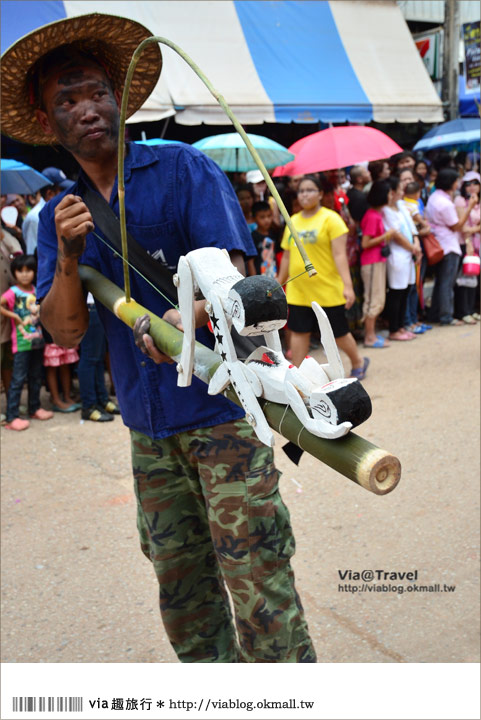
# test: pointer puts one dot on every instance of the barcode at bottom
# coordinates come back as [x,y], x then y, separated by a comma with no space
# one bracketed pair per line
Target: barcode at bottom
[47,704]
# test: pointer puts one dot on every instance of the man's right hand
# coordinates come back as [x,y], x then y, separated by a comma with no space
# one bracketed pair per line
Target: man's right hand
[72,222]
[145,342]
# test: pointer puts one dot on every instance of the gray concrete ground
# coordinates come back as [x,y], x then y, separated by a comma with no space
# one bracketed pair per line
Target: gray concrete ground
[76,588]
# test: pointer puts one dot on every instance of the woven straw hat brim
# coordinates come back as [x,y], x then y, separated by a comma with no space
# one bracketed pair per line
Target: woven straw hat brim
[111,38]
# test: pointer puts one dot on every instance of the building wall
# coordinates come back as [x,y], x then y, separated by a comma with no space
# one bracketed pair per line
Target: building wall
[432,11]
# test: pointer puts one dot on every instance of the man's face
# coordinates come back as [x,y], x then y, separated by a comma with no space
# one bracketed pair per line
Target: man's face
[82,111]
[407,163]
[366,176]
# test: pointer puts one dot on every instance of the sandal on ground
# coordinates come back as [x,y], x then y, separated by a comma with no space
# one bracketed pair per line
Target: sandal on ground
[401,336]
[426,327]
[42,414]
[379,343]
[476,316]
[469,320]
[69,409]
[17,424]
[360,373]
[453,323]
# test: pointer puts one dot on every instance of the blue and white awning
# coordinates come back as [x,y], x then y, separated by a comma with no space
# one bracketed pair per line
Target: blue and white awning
[283,61]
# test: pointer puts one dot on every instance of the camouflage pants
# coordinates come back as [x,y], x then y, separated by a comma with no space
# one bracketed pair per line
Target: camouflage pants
[209,514]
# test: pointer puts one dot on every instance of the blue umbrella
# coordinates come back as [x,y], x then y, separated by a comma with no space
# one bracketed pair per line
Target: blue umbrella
[455,133]
[158,141]
[20,179]
[230,153]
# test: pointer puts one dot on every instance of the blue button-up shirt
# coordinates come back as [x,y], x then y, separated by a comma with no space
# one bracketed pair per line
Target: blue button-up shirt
[176,200]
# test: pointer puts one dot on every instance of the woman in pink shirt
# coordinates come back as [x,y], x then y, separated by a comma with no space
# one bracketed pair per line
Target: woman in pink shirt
[445,224]
[373,262]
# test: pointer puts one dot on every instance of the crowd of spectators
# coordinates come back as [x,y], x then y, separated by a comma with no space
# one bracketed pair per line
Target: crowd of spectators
[389,210]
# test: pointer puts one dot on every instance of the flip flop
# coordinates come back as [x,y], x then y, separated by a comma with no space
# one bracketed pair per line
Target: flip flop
[69,409]
[380,343]
[360,373]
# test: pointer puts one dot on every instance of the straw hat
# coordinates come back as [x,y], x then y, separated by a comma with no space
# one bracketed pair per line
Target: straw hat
[111,39]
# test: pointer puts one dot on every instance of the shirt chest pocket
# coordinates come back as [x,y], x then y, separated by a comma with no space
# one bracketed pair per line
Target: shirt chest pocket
[161,241]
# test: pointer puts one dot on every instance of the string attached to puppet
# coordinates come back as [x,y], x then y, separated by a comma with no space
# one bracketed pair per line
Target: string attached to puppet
[309,267]
[154,287]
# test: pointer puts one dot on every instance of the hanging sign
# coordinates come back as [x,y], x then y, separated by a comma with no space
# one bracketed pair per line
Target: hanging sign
[472,56]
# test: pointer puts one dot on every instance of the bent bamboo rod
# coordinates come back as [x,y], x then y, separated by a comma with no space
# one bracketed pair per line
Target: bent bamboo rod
[359,460]
[310,269]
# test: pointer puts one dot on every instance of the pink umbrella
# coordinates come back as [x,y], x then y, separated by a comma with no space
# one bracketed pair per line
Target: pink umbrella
[338,147]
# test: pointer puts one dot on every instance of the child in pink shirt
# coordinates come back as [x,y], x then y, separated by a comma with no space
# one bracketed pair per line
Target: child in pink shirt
[18,303]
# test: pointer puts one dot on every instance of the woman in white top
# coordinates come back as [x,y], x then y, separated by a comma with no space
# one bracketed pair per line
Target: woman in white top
[446,225]
[405,251]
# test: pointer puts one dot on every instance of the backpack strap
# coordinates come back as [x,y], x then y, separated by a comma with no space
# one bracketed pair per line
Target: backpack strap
[108,222]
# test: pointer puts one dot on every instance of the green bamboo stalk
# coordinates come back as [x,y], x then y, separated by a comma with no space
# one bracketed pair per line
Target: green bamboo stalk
[357,459]
[310,269]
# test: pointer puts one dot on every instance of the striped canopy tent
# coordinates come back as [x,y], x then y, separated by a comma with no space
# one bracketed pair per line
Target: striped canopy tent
[288,61]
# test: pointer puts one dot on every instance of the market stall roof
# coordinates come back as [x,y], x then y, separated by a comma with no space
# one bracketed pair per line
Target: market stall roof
[285,61]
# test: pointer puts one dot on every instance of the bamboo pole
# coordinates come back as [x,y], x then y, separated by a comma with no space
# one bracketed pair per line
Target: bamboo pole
[310,269]
[357,459]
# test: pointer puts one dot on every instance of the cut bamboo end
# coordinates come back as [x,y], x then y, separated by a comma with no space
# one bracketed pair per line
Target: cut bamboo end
[379,471]
[117,305]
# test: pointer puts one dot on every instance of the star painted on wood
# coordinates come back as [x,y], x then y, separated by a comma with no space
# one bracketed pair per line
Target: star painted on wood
[214,320]
[223,356]
[219,338]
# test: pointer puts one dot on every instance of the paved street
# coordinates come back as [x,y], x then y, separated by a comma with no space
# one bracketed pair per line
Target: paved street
[76,588]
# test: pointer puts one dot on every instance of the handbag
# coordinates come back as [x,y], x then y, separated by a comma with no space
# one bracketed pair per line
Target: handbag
[432,249]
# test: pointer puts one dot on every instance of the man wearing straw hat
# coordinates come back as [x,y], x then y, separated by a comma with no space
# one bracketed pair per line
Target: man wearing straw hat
[209,510]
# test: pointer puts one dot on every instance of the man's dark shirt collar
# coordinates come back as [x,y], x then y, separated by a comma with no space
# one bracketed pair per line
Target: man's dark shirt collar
[136,156]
